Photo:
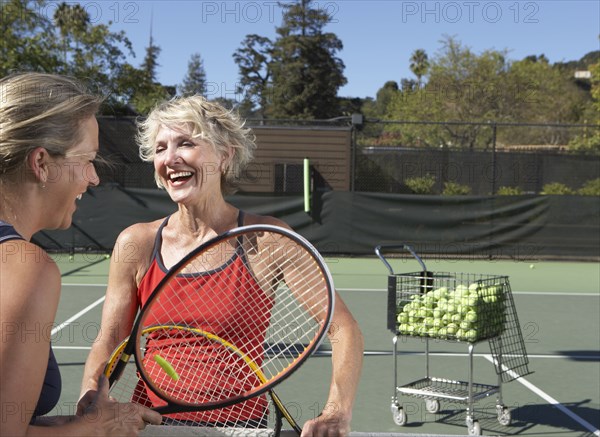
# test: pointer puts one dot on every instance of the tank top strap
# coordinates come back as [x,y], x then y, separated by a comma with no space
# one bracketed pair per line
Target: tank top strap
[241,215]
[8,232]
[158,242]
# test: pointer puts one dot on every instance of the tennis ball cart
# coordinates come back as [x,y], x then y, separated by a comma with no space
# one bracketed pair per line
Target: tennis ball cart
[454,307]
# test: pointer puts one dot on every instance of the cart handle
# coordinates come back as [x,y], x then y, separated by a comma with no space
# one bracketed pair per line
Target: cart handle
[379,252]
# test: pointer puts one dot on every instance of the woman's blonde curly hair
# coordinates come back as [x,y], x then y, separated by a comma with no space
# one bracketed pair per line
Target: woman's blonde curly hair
[210,122]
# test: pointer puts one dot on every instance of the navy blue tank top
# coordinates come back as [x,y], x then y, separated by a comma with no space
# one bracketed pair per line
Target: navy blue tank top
[52,382]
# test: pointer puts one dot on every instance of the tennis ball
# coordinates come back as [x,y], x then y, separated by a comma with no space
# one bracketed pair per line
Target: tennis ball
[441,292]
[469,301]
[432,332]
[71,257]
[491,298]
[531,266]
[451,307]
[107,256]
[442,302]
[402,318]
[451,329]
[471,316]
[473,287]
[465,325]
[470,335]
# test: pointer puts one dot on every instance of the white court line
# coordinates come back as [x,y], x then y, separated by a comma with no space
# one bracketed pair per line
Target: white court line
[548,398]
[76,316]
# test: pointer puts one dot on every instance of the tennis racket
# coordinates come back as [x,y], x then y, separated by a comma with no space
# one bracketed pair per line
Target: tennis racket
[231,320]
[130,387]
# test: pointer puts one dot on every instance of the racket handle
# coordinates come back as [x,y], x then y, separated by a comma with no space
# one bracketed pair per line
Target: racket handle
[285,413]
[117,371]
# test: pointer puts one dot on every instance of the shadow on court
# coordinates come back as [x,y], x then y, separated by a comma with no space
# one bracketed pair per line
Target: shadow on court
[581,355]
[526,418]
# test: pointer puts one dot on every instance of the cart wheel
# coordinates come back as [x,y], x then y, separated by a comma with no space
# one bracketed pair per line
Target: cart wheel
[398,415]
[474,428]
[504,417]
[432,405]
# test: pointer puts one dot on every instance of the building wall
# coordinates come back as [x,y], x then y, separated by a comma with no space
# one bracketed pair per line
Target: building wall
[328,149]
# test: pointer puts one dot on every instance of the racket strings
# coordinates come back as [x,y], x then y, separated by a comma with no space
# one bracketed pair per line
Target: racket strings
[255,414]
[233,319]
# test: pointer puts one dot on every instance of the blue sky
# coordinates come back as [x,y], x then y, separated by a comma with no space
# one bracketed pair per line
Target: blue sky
[378,36]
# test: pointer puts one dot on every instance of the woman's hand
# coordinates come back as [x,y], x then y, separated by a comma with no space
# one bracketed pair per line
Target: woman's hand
[109,417]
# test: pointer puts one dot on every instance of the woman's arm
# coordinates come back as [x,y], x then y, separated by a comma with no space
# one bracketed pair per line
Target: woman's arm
[120,305]
[30,291]
[347,356]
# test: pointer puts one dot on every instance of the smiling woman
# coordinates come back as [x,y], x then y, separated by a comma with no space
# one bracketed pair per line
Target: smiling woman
[199,150]
[48,141]
[202,123]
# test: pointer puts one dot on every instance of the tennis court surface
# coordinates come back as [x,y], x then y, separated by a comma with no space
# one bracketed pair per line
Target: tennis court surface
[558,306]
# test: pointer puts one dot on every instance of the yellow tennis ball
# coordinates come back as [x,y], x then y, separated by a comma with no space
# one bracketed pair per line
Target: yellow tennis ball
[167,367]
[531,266]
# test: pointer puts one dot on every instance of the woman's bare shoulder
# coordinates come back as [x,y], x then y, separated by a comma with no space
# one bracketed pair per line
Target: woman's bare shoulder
[28,274]
[135,243]
[140,233]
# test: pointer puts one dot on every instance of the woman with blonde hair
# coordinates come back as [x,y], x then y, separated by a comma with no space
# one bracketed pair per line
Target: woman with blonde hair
[48,143]
[199,151]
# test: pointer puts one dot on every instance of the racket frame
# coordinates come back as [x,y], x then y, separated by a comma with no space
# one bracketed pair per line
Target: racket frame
[131,347]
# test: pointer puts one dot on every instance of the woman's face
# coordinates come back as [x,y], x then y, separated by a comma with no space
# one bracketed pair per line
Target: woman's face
[187,167]
[70,176]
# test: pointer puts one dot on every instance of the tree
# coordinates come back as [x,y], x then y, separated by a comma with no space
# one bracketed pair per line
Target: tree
[254,60]
[147,91]
[26,35]
[464,86]
[385,96]
[419,64]
[194,81]
[72,22]
[589,141]
[69,43]
[306,72]
[90,51]
[150,63]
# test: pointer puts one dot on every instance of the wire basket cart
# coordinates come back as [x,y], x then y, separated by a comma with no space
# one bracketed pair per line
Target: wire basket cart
[456,307]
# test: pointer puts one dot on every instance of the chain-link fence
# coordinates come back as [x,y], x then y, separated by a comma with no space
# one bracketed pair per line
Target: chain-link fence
[474,158]
[419,157]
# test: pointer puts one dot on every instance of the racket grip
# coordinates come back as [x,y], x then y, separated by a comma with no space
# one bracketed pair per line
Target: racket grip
[286,413]
[117,371]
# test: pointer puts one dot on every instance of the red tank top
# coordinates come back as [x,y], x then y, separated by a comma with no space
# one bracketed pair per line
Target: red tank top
[236,279]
